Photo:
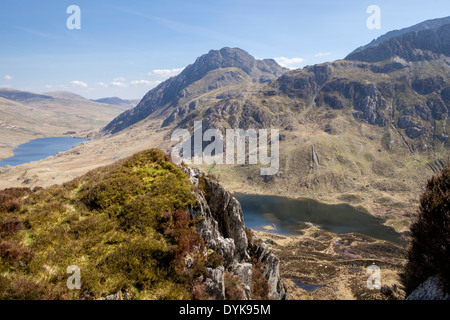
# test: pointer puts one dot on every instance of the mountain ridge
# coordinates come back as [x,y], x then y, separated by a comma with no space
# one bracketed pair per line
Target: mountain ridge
[428,24]
[419,45]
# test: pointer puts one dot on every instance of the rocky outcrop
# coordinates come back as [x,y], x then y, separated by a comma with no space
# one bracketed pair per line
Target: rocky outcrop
[271,269]
[215,283]
[432,289]
[303,83]
[223,229]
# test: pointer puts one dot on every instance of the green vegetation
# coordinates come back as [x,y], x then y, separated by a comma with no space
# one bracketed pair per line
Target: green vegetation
[429,254]
[124,225]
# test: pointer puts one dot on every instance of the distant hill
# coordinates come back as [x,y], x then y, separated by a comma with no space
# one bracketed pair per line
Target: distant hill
[61,101]
[115,101]
[22,96]
[65,95]
[26,115]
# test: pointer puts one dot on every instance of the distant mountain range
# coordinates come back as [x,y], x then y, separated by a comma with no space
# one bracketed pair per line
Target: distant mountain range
[115,101]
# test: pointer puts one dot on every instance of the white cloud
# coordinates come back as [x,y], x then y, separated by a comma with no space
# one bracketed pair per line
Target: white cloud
[165,73]
[118,84]
[102,84]
[323,54]
[291,63]
[80,84]
[48,86]
[145,83]
[119,79]
[7,77]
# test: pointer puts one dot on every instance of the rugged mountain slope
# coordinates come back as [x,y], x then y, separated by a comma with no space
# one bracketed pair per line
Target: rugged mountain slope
[138,229]
[230,67]
[425,25]
[426,44]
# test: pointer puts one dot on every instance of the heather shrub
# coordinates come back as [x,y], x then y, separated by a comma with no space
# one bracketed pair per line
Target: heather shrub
[429,251]
[259,286]
[11,199]
[233,287]
[15,254]
[10,226]
[124,225]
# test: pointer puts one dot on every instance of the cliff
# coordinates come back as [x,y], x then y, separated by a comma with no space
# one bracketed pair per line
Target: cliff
[222,226]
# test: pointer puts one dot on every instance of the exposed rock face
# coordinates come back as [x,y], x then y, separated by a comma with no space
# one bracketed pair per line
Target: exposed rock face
[222,227]
[413,103]
[303,83]
[431,289]
[244,272]
[215,283]
[271,270]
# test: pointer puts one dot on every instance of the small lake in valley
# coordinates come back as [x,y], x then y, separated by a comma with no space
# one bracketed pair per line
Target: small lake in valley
[287,216]
[39,149]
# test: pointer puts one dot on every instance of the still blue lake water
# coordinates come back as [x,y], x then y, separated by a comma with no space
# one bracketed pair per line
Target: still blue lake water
[39,149]
[288,216]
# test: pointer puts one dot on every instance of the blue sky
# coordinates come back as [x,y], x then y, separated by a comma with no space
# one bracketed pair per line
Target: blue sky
[124,48]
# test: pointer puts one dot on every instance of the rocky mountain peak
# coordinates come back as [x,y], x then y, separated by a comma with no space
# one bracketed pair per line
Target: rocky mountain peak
[170,91]
[238,58]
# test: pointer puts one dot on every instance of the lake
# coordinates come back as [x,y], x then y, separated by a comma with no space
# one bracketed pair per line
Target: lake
[39,149]
[289,215]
